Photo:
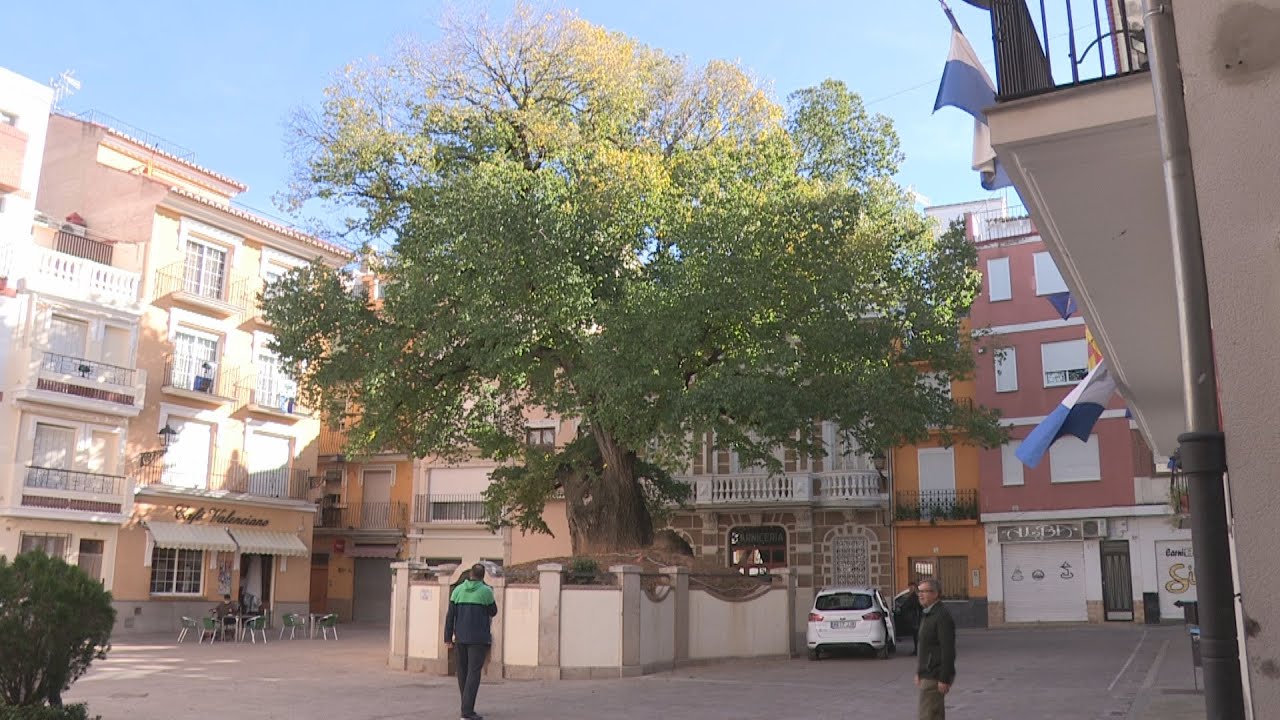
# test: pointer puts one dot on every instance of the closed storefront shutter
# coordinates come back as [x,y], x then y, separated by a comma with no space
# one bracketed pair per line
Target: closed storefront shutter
[1044,582]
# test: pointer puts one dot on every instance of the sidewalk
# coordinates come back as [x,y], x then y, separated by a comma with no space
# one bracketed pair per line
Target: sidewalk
[1173,689]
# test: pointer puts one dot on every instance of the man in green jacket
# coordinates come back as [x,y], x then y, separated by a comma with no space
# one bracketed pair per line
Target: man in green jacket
[936,668]
[466,627]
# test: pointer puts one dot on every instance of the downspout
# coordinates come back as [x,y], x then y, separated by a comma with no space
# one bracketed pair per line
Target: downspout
[1202,449]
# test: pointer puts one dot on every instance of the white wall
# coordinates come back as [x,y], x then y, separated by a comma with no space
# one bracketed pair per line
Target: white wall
[737,629]
[657,629]
[520,626]
[590,627]
[30,101]
[424,620]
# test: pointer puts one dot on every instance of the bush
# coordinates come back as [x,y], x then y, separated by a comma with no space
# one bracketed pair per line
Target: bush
[54,621]
[45,712]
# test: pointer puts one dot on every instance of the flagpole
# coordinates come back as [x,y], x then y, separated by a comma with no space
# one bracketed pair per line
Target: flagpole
[1202,450]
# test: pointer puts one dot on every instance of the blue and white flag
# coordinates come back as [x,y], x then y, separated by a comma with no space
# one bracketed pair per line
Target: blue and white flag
[966,85]
[1076,416]
[1063,303]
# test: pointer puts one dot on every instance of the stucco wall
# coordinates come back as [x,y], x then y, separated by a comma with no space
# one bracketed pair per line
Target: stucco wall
[424,620]
[590,627]
[520,626]
[737,629]
[527,547]
[657,629]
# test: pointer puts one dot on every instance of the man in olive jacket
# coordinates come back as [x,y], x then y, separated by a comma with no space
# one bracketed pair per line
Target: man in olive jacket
[936,668]
[466,627]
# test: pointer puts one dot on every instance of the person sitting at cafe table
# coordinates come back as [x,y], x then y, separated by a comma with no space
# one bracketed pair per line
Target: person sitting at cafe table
[226,610]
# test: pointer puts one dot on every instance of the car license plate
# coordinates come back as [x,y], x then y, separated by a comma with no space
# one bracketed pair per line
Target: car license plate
[842,624]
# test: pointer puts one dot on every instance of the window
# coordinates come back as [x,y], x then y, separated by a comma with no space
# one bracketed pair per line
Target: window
[68,336]
[950,572]
[205,270]
[541,437]
[1006,369]
[194,358]
[1048,279]
[54,446]
[838,601]
[998,286]
[91,557]
[1010,465]
[755,550]
[48,543]
[457,510]
[937,469]
[176,572]
[275,388]
[1065,363]
[1073,461]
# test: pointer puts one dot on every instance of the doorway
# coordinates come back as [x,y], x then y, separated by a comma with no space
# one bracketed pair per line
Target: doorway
[319,600]
[255,582]
[1117,581]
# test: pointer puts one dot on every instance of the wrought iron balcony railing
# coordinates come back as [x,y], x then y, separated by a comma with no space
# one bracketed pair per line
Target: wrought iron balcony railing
[366,516]
[47,478]
[933,505]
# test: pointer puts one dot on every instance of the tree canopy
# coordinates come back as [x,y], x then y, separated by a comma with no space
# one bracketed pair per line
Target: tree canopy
[584,226]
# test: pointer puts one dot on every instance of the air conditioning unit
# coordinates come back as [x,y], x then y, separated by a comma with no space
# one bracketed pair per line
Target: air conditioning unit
[1095,528]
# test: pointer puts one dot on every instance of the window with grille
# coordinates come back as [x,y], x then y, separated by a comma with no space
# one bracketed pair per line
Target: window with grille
[194,357]
[50,544]
[90,560]
[541,437]
[275,388]
[205,270]
[950,572]
[176,572]
[457,510]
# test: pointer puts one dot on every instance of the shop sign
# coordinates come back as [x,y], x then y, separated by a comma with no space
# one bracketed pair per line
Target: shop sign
[187,514]
[339,545]
[1040,532]
[1176,575]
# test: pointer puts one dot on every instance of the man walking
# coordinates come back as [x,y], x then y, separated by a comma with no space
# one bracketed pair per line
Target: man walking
[936,668]
[466,628]
[911,610]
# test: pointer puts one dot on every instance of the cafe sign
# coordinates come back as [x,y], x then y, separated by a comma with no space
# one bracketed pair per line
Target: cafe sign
[1040,532]
[187,514]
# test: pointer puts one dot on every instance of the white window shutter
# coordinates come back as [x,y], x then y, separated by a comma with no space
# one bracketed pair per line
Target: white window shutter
[998,285]
[1006,369]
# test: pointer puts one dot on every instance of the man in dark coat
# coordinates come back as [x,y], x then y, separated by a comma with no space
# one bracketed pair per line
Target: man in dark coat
[911,615]
[936,668]
[466,627]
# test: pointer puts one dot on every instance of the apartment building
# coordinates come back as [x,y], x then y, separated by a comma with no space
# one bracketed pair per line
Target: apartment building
[214,464]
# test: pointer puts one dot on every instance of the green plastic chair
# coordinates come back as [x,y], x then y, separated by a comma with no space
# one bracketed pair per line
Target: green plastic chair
[211,627]
[255,626]
[327,623]
[293,621]
[188,624]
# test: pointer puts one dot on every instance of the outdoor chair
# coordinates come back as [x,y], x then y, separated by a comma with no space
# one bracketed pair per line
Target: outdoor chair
[188,624]
[327,623]
[211,627]
[293,621]
[255,626]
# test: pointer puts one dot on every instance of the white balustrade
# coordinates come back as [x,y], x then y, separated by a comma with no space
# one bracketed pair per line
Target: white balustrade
[849,485]
[70,276]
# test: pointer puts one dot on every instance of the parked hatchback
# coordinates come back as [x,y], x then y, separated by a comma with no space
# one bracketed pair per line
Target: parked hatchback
[850,618]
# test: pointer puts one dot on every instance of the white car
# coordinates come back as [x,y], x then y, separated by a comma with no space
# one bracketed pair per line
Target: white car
[848,617]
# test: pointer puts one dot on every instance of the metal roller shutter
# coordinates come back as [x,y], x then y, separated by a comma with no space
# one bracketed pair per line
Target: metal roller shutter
[1044,582]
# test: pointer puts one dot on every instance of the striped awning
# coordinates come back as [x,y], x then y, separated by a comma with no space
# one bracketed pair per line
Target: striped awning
[265,542]
[179,536]
[373,551]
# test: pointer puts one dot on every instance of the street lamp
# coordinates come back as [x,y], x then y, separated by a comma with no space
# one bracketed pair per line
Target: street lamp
[166,434]
[879,461]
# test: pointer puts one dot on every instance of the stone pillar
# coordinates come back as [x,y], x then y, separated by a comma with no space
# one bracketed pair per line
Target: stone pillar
[399,655]
[495,666]
[629,582]
[549,579]
[789,583]
[444,656]
[680,595]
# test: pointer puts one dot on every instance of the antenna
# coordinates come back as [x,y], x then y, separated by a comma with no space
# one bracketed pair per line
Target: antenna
[64,86]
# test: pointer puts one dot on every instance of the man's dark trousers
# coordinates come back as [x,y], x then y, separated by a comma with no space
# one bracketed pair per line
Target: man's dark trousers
[470,663]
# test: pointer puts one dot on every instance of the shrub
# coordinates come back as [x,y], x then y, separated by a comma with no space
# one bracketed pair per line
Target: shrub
[46,712]
[54,621]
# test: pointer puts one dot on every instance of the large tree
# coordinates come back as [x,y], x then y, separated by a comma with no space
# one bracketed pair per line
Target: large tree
[582,225]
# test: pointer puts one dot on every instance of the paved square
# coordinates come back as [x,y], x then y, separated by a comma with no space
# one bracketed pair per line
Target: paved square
[1042,674]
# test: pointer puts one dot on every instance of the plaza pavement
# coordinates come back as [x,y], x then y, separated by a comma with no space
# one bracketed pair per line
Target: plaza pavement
[1094,672]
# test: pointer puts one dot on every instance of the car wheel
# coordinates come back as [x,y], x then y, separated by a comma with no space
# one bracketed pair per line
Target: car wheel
[815,654]
[884,652]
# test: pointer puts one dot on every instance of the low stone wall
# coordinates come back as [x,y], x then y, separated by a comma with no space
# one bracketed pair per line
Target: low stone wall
[556,631]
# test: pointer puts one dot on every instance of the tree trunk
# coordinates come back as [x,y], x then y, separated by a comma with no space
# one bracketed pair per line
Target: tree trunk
[606,509]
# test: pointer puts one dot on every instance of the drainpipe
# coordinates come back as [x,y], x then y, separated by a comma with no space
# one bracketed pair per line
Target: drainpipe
[1203,448]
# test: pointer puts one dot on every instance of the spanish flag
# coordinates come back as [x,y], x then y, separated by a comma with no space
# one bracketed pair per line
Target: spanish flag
[1095,355]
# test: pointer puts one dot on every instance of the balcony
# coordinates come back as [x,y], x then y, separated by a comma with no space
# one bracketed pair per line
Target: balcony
[276,403]
[61,489]
[219,295]
[281,483]
[466,509]
[13,153]
[1079,142]
[189,378]
[82,384]
[366,516]
[331,443]
[936,505]
[46,270]
[857,487]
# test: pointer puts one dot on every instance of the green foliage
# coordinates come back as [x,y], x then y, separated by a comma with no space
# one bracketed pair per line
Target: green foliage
[79,711]
[54,621]
[584,567]
[585,226]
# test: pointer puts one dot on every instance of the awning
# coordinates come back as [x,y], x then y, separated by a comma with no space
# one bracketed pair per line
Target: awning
[265,542]
[177,536]
[373,551]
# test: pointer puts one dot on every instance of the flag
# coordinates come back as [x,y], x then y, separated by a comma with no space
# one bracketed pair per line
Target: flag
[1095,355]
[967,86]
[1076,416]
[1065,305]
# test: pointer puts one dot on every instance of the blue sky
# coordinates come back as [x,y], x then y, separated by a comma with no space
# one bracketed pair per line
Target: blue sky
[221,78]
